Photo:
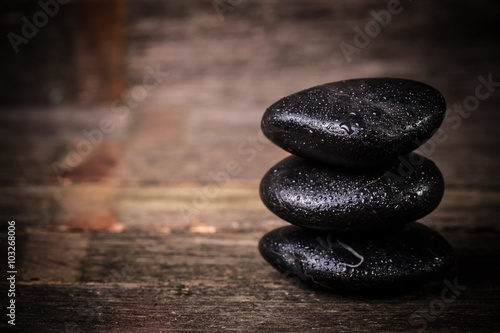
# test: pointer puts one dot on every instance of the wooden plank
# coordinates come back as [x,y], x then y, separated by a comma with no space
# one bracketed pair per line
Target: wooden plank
[52,257]
[188,282]
[86,207]
[239,209]
[167,309]
[235,207]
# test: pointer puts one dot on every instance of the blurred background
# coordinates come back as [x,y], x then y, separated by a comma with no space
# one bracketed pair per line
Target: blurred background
[123,118]
[66,65]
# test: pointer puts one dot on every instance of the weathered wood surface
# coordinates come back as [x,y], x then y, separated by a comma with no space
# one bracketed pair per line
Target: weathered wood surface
[139,237]
[181,281]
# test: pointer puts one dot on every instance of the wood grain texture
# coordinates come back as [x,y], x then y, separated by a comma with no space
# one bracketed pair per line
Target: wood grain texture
[188,282]
[185,257]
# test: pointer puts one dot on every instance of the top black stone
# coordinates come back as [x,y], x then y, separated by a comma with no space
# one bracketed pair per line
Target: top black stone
[356,123]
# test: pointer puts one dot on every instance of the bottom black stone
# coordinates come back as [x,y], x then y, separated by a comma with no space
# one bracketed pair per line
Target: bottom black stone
[387,260]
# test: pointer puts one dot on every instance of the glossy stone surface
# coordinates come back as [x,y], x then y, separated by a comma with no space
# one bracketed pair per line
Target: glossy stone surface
[387,260]
[320,196]
[355,123]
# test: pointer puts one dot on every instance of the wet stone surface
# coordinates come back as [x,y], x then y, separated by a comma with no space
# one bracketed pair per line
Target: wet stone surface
[321,196]
[355,123]
[384,261]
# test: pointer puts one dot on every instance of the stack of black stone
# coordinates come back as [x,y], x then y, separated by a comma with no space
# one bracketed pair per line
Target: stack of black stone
[353,185]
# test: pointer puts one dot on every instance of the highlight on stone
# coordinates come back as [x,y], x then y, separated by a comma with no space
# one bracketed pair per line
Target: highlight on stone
[355,123]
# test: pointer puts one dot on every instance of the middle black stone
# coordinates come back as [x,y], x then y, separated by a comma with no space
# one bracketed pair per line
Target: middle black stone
[320,196]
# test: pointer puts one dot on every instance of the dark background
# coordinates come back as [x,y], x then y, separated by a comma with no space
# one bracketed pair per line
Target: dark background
[147,229]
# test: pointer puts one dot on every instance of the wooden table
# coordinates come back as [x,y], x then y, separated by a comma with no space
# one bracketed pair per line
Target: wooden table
[156,228]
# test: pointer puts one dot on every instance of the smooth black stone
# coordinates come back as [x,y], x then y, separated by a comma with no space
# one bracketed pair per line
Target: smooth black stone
[321,196]
[356,123]
[389,260]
